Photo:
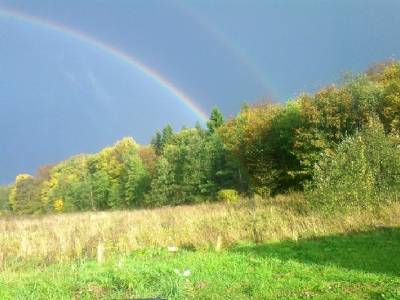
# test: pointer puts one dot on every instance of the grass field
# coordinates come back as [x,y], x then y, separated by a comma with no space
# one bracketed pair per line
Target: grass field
[357,266]
[269,250]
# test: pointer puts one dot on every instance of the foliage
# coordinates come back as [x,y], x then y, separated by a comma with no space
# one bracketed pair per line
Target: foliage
[136,183]
[262,138]
[23,196]
[4,195]
[159,141]
[162,185]
[185,170]
[229,196]
[330,116]
[267,149]
[58,205]
[363,171]
[279,145]
[216,120]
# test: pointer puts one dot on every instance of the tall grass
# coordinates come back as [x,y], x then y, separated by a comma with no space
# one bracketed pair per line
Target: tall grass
[64,237]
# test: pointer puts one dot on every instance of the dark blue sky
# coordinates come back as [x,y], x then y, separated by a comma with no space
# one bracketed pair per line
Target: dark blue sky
[60,96]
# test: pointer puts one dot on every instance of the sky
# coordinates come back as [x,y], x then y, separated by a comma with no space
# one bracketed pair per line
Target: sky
[76,76]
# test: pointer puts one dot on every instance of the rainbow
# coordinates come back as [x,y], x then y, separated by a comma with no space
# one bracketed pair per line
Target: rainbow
[236,50]
[123,56]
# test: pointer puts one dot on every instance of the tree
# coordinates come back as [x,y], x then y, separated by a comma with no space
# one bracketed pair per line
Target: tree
[4,195]
[24,196]
[148,157]
[245,137]
[136,183]
[70,182]
[216,120]
[167,135]
[108,173]
[190,155]
[160,139]
[156,142]
[226,169]
[161,191]
[360,173]
[100,189]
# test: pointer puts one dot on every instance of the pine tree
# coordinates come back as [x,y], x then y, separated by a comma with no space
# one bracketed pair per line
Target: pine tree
[167,134]
[156,142]
[216,120]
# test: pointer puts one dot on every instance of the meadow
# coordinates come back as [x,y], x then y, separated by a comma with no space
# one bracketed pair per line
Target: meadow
[259,249]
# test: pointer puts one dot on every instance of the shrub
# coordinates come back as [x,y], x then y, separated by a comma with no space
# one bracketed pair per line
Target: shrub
[228,196]
[58,205]
[362,172]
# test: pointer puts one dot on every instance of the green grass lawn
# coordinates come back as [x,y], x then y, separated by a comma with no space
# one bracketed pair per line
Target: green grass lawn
[356,266]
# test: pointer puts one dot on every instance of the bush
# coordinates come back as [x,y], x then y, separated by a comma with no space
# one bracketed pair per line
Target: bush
[58,205]
[228,196]
[363,172]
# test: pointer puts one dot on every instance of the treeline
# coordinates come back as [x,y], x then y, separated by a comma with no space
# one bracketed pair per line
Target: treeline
[183,167]
[340,145]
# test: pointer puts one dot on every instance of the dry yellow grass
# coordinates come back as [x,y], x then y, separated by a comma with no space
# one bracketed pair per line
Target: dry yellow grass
[51,238]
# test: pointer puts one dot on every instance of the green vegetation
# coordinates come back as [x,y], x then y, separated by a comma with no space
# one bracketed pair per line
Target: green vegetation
[229,196]
[287,201]
[265,150]
[357,266]
[271,249]
[363,171]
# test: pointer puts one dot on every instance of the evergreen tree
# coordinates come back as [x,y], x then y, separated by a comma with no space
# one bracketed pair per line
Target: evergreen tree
[156,142]
[216,120]
[167,135]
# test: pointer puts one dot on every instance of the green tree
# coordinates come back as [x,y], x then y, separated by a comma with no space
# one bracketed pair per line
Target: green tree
[361,172]
[226,170]
[162,185]
[190,156]
[216,120]
[156,143]
[100,189]
[167,134]
[137,182]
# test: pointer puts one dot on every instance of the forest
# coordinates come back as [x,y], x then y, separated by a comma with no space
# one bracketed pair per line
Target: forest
[340,146]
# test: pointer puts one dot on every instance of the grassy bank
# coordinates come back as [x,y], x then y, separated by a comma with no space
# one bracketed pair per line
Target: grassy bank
[363,265]
[66,237]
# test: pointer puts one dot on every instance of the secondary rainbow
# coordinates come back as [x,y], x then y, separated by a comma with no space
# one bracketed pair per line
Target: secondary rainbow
[235,49]
[128,58]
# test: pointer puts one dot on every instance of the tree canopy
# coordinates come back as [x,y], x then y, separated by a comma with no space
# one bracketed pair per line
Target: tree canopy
[266,149]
